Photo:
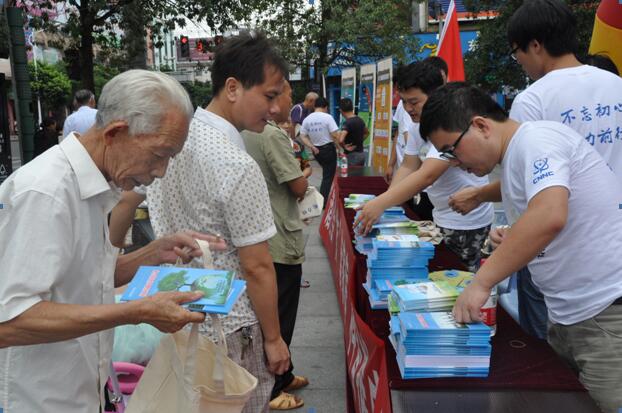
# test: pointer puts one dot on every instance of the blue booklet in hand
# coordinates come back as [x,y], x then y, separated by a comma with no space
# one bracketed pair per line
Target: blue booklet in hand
[219,287]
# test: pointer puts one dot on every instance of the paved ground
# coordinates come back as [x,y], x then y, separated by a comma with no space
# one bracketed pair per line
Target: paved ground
[317,348]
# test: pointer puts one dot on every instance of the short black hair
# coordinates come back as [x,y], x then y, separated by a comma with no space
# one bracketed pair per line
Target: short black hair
[320,102]
[453,106]
[421,75]
[83,96]
[601,61]
[345,104]
[550,22]
[245,57]
[438,62]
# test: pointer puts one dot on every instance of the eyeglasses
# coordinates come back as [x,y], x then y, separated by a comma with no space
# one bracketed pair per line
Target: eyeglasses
[448,154]
[513,53]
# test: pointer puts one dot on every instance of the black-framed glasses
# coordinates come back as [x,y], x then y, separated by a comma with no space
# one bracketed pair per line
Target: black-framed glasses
[448,154]
[513,53]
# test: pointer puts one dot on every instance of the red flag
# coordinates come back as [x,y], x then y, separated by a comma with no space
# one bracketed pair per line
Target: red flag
[449,47]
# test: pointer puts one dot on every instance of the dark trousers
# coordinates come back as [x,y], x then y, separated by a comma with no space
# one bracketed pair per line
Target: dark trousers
[532,312]
[327,158]
[288,279]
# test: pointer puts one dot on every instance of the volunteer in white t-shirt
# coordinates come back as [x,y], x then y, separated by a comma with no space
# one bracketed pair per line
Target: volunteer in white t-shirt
[542,35]
[404,123]
[464,235]
[319,132]
[564,202]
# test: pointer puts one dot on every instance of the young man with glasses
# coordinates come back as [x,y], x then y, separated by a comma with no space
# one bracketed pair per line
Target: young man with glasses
[564,203]
[542,36]
[464,235]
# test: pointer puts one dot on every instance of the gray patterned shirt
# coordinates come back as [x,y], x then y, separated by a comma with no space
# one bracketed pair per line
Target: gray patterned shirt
[214,186]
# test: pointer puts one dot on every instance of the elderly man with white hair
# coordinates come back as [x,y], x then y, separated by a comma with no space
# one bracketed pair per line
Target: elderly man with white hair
[58,269]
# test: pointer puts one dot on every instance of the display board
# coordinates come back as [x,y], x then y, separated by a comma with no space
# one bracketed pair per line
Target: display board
[367,87]
[381,144]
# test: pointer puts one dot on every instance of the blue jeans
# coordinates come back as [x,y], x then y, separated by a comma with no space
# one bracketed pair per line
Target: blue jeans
[532,311]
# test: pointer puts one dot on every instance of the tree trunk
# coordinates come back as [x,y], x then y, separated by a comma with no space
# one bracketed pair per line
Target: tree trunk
[87,20]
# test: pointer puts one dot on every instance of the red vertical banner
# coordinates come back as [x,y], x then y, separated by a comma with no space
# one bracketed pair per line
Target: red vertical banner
[365,358]
[449,47]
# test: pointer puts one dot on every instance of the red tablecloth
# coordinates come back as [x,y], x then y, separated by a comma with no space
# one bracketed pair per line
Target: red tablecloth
[518,361]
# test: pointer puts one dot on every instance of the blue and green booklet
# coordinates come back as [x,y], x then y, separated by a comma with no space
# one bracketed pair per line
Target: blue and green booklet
[219,287]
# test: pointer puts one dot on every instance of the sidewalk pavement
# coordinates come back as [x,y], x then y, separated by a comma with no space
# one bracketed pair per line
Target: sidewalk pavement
[317,347]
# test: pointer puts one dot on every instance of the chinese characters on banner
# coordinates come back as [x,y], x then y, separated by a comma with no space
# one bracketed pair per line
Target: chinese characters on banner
[381,145]
[366,99]
[365,353]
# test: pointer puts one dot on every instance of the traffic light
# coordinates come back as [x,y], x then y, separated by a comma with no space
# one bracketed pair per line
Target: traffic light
[184,46]
[204,45]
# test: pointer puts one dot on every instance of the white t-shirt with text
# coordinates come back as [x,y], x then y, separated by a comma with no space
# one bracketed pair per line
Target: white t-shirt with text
[318,126]
[585,98]
[580,271]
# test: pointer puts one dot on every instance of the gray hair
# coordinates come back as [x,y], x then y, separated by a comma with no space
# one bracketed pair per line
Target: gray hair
[141,97]
[83,97]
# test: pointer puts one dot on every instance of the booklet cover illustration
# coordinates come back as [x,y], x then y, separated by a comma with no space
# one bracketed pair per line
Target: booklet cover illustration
[219,287]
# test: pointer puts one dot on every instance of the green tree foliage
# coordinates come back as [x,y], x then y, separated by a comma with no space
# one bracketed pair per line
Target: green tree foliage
[51,84]
[489,64]
[200,92]
[95,22]
[4,36]
[335,30]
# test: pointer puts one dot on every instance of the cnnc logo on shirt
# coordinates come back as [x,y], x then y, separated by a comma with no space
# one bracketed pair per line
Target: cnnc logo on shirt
[540,166]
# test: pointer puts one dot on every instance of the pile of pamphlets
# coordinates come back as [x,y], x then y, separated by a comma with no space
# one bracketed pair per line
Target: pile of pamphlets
[395,259]
[220,288]
[433,344]
[425,296]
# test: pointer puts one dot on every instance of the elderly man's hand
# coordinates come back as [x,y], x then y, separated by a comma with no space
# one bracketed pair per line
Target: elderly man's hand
[164,310]
[184,246]
[470,302]
[367,216]
[465,200]
[277,355]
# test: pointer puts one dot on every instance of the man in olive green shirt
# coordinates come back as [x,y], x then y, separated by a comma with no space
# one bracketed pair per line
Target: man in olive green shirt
[274,153]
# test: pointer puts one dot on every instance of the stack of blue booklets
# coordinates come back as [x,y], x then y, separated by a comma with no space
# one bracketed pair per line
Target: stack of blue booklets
[220,288]
[433,344]
[395,259]
[426,296]
[364,244]
[354,201]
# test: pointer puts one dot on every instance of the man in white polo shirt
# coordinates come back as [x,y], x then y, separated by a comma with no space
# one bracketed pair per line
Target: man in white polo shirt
[58,268]
[84,117]
[564,203]
[319,133]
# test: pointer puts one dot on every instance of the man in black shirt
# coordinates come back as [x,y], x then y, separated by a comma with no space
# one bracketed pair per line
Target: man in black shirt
[353,133]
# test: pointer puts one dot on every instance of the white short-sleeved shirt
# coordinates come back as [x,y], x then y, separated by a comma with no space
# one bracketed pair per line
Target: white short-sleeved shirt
[415,146]
[453,180]
[318,126]
[54,246]
[404,124]
[580,271]
[79,121]
[585,98]
[214,186]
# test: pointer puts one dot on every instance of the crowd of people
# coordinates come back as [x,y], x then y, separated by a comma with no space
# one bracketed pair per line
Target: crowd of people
[232,172]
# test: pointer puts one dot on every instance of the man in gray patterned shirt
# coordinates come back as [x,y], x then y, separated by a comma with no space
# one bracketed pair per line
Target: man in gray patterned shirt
[215,186]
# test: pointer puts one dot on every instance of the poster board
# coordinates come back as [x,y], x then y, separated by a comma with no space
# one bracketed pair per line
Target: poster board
[383,118]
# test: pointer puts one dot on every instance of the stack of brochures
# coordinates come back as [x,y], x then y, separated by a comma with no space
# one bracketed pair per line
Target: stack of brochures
[220,288]
[425,296]
[354,201]
[364,244]
[395,259]
[459,279]
[433,344]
